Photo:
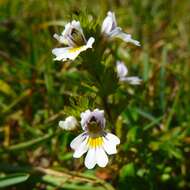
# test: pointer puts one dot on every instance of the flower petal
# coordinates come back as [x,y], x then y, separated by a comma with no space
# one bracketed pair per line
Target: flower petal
[62,54]
[112,138]
[85,116]
[81,149]
[109,146]
[101,157]
[90,159]
[77,141]
[62,124]
[66,30]
[90,42]
[70,123]
[99,115]
[76,24]
[132,80]
[61,39]
[109,23]
[127,38]
[71,52]
[122,70]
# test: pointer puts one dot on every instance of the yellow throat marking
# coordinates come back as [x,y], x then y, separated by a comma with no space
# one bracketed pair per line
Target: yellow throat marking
[95,142]
[73,50]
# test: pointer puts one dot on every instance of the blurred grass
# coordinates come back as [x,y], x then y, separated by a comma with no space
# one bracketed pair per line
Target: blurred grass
[34,93]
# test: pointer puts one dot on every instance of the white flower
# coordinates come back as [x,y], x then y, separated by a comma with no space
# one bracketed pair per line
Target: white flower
[110,29]
[69,124]
[94,140]
[75,40]
[122,72]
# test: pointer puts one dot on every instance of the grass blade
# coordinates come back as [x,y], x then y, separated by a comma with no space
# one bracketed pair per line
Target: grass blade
[13,179]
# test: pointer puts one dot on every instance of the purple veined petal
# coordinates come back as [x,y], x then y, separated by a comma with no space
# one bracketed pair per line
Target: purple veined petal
[115,32]
[109,23]
[85,117]
[78,140]
[99,115]
[81,149]
[76,24]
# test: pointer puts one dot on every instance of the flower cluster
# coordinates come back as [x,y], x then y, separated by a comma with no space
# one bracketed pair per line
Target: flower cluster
[94,140]
[74,38]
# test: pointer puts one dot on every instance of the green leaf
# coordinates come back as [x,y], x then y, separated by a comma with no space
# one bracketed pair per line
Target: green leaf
[153,123]
[30,143]
[63,182]
[17,100]
[12,179]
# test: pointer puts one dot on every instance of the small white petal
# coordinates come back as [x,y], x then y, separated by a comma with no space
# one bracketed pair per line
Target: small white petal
[122,70]
[115,32]
[62,54]
[112,138]
[132,80]
[101,157]
[67,29]
[109,146]
[77,141]
[110,28]
[99,115]
[81,149]
[76,24]
[70,123]
[85,117]
[61,39]
[109,23]
[110,142]
[61,124]
[90,159]
[71,52]
[127,38]
[84,114]
[90,42]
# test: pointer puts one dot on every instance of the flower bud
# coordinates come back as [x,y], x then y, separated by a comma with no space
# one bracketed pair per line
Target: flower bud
[70,123]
